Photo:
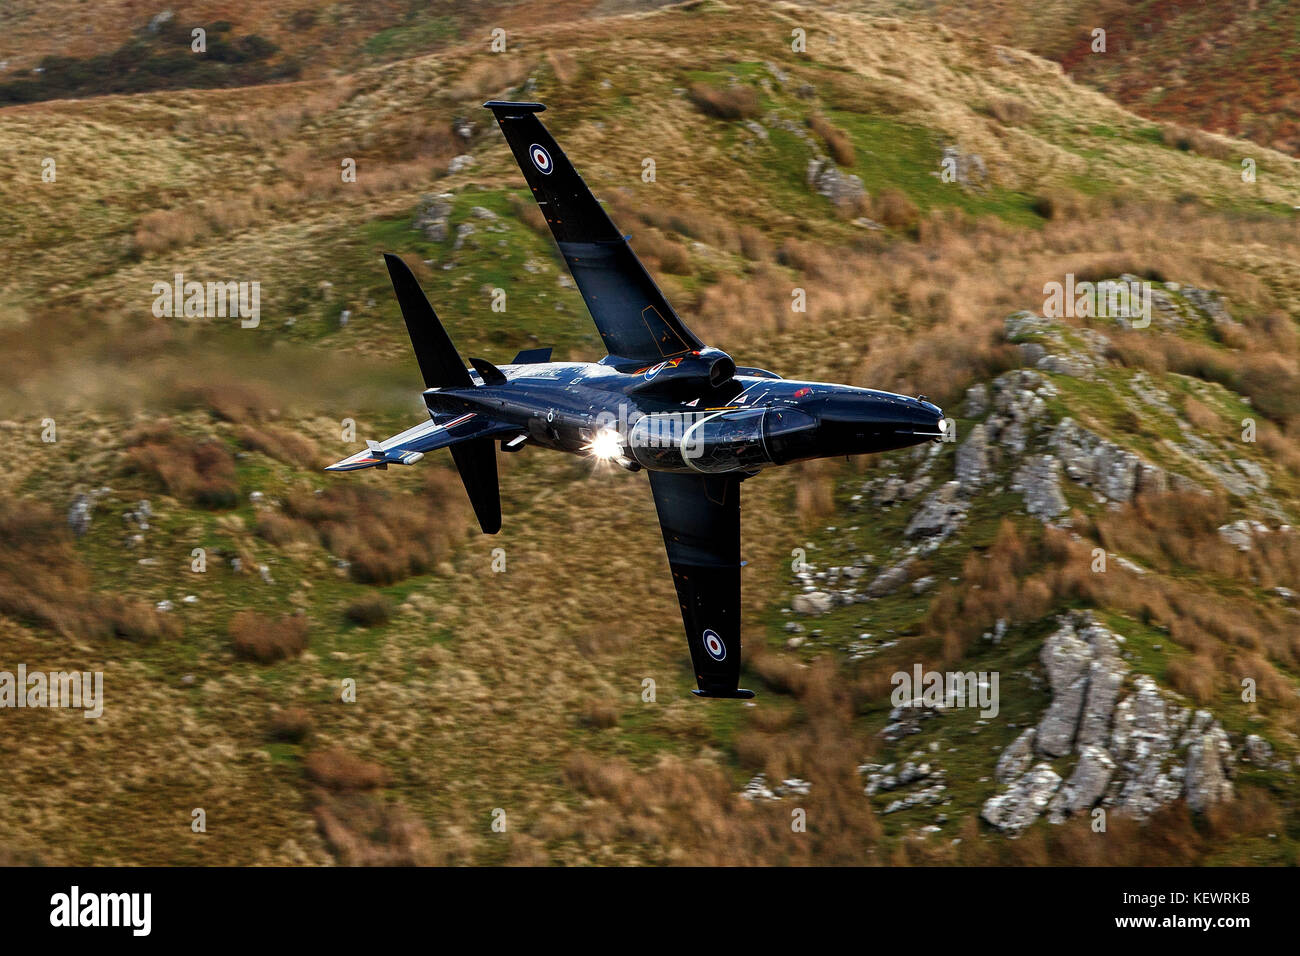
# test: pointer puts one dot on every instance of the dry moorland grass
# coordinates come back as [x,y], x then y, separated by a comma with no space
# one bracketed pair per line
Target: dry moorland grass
[266,639]
[198,470]
[528,660]
[44,581]
[384,537]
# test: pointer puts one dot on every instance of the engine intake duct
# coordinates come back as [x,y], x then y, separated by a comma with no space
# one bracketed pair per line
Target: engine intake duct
[693,374]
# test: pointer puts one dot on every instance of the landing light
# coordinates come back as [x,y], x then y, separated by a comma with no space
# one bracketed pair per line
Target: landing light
[605,445]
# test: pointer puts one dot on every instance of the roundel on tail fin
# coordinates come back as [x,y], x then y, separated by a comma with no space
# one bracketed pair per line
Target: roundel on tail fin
[541,159]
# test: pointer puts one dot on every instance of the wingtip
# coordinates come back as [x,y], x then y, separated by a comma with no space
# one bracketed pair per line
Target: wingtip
[398,270]
[495,105]
[739,693]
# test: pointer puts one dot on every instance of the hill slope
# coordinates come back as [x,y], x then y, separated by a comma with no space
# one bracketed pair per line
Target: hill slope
[1226,68]
[522,691]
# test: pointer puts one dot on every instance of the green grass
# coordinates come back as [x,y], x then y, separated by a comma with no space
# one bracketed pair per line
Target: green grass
[497,255]
[890,154]
[418,36]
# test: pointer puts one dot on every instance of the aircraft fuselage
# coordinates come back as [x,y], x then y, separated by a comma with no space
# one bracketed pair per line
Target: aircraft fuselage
[756,420]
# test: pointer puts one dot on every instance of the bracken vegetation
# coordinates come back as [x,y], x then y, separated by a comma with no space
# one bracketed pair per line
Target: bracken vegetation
[253,583]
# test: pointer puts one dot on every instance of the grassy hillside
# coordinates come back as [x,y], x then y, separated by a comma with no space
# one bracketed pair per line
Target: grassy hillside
[1221,67]
[521,691]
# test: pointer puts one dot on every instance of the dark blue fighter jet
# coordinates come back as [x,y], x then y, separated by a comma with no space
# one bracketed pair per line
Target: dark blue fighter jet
[661,400]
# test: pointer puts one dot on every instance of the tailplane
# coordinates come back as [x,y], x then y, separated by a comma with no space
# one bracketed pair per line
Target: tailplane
[476,460]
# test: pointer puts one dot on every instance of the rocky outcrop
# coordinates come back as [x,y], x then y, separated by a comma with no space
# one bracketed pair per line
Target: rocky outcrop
[1115,474]
[813,602]
[1257,750]
[906,719]
[927,780]
[972,464]
[826,179]
[1024,801]
[1086,785]
[1241,534]
[1019,409]
[1015,760]
[968,169]
[431,218]
[977,401]
[79,513]
[1039,478]
[940,514]
[1207,780]
[891,579]
[1067,658]
[1135,754]
[757,788]
[1085,673]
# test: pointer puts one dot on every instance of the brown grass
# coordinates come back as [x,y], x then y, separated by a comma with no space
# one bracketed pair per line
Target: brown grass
[283,531]
[837,141]
[892,207]
[670,257]
[373,610]
[731,103]
[280,443]
[1189,139]
[1010,111]
[600,715]
[814,492]
[362,827]
[364,831]
[201,471]
[336,769]
[1202,416]
[385,536]
[43,581]
[292,725]
[265,639]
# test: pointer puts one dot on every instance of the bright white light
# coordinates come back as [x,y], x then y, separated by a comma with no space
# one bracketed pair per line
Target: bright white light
[943,424]
[605,445]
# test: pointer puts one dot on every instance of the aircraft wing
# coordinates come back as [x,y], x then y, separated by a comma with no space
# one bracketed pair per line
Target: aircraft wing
[700,519]
[633,317]
[411,445]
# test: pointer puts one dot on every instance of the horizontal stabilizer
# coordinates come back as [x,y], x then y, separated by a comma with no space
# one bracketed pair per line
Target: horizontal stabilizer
[533,356]
[412,445]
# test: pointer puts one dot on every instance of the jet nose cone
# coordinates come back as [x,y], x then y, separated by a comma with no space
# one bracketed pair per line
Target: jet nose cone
[885,410]
[867,421]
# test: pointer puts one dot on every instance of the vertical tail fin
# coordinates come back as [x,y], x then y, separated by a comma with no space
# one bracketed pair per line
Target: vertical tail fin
[439,363]
[442,367]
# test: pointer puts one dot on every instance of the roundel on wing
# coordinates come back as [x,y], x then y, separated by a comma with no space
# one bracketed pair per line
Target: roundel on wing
[713,645]
[541,159]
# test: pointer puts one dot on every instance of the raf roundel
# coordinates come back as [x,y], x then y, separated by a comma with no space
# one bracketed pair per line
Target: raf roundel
[713,644]
[541,159]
